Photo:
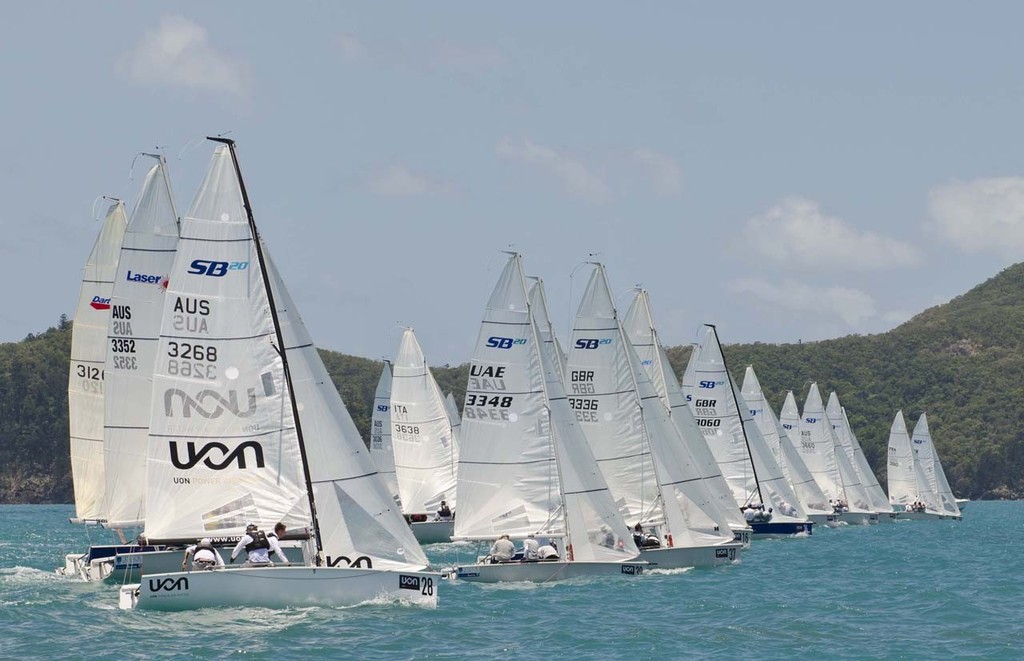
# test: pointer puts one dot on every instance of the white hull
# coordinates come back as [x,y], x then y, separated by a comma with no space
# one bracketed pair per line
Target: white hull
[962,503]
[130,567]
[926,516]
[681,557]
[887,517]
[433,532]
[278,587]
[743,536]
[859,518]
[545,571]
[823,519]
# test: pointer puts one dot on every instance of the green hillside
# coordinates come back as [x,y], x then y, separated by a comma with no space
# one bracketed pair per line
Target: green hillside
[962,362]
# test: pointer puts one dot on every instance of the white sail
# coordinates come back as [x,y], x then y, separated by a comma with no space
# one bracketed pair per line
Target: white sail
[426,449]
[741,451]
[639,450]
[826,458]
[807,490]
[639,326]
[526,468]
[902,481]
[88,356]
[380,432]
[137,306]
[454,417]
[223,447]
[539,307]
[356,514]
[841,427]
[928,458]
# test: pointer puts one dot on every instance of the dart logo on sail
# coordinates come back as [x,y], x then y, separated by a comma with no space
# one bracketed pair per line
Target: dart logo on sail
[100,303]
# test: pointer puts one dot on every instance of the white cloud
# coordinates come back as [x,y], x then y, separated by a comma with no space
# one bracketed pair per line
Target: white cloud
[797,234]
[178,53]
[400,181]
[984,215]
[853,306]
[572,175]
[665,174]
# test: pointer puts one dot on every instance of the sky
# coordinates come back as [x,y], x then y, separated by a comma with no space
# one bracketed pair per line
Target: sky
[795,171]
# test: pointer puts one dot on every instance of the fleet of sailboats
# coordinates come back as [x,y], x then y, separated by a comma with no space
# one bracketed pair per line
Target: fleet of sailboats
[199,408]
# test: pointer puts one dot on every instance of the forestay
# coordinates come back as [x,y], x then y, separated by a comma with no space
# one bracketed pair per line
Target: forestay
[642,333]
[137,306]
[88,355]
[380,432]
[426,449]
[807,490]
[223,446]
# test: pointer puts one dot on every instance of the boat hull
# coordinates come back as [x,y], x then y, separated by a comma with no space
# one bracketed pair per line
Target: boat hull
[544,571]
[775,529]
[699,557]
[93,565]
[926,516]
[887,517]
[131,567]
[743,536]
[823,519]
[278,587]
[962,503]
[433,532]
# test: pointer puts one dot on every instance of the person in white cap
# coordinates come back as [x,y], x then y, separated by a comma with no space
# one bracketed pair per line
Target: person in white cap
[204,555]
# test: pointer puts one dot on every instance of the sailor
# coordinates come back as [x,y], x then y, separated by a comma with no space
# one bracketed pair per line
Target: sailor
[444,512]
[549,551]
[749,513]
[638,535]
[530,547]
[503,549]
[204,555]
[258,545]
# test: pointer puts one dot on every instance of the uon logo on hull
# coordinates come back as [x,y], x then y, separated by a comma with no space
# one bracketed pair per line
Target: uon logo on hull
[168,584]
[207,398]
[632,569]
[100,303]
[237,456]
[504,342]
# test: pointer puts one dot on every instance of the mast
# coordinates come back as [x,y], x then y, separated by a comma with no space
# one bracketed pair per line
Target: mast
[735,400]
[281,350]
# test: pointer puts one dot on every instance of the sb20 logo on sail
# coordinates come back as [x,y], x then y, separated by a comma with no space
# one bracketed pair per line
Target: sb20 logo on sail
[215,269]
[585,343]
[504,342]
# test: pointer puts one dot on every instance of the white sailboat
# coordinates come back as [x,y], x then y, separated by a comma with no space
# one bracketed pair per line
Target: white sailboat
[380,432]
[524,467]
[812,501]
[640,452]
[909,491]
[86,388]
[830,465]
[926,455]
[247,426]
[639,326]
[754,476]
[425,445]
[844,432]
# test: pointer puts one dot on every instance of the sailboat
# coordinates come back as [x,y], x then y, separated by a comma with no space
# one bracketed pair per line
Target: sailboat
[641,453]
[926,455]
[757,482]
[247,426]
[639,326]
[86,391]
[424,442]
[830,465]
[776,434]
[380,433]
[844,432]
[524,466]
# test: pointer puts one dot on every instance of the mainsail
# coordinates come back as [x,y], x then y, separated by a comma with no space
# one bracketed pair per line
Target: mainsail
[380,432]
[137,306]
[639,327]
[807,490]
[426,448]
[88,356]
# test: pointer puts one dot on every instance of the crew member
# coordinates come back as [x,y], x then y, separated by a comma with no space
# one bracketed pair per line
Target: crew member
[258,545]
[204,555]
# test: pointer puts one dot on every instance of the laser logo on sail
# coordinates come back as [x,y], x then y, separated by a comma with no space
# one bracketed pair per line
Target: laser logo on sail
[208,398]
[238,456]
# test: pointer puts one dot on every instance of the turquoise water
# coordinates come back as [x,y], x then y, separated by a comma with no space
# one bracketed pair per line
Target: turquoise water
[910,590]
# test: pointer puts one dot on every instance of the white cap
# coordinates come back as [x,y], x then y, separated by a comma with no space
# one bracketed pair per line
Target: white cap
[206,541]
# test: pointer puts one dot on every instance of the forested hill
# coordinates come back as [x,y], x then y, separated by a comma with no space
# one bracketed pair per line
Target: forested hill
[961,362]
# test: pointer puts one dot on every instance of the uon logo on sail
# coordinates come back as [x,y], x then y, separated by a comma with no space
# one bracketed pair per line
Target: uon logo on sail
[100,303]
[194,455]
[215,269]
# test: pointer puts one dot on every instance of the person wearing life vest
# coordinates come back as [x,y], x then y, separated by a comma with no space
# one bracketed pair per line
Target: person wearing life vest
[204,555]
[258,545]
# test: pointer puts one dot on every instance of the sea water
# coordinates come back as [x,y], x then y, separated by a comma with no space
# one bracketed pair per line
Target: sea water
[915,589]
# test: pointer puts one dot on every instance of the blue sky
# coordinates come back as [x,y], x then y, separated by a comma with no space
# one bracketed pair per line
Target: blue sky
[797,171]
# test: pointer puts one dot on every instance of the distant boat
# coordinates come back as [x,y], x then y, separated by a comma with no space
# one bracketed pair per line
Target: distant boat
[848,439]
[776,432]
[425,445]
[641,453]
[254,430]
[928,457]
[380,432]
[525,469]
[830,465]
[910,491]
[757,482]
